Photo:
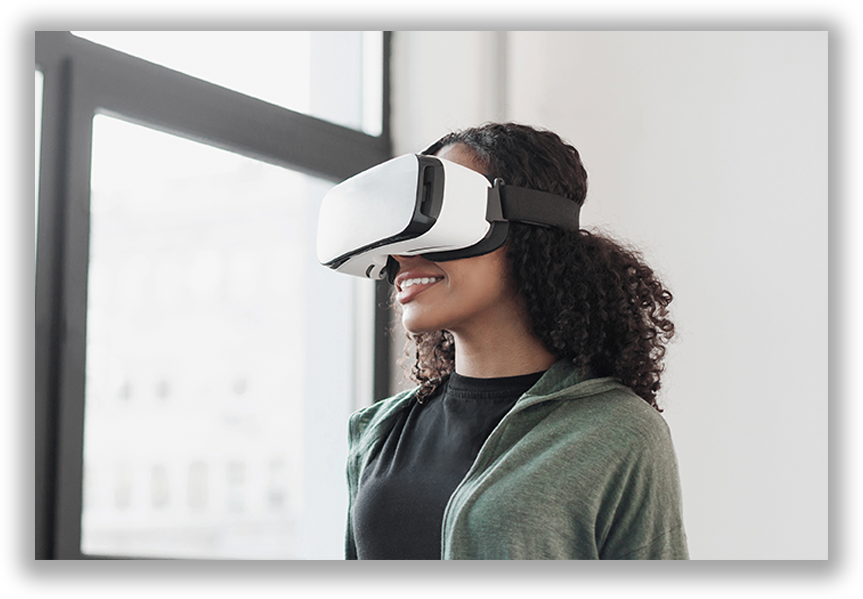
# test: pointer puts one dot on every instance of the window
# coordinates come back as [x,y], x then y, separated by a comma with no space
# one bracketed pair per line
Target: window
[333,75]
[38,112]
[196,338]
[195,365]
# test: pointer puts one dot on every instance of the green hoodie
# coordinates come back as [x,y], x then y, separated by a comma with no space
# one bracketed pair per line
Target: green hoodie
[576,470]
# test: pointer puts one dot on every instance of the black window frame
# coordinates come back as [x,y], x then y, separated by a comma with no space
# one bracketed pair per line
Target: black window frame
[82,79]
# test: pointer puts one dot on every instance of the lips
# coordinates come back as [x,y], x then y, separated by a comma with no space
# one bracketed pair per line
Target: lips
[409,285]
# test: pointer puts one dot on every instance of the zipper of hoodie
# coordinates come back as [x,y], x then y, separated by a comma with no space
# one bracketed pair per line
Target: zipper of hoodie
[521,404]
[484,449]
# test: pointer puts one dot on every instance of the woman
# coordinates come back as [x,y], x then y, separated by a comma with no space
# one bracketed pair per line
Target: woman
[534,432]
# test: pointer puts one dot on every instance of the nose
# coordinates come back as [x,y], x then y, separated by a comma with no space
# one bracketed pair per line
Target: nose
[395,262]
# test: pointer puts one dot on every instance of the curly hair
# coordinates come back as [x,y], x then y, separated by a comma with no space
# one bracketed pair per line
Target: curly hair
[589,299]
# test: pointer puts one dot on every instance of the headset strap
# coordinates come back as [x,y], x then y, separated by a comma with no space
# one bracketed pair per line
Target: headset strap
[510,203]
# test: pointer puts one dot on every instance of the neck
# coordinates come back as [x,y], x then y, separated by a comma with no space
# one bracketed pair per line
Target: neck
[500,349]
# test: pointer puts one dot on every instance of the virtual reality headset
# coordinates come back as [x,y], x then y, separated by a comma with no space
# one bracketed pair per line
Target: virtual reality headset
[425,205]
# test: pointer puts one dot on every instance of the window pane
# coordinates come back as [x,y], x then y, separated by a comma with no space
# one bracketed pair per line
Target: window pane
[206,307]
[333,75]
[38,142]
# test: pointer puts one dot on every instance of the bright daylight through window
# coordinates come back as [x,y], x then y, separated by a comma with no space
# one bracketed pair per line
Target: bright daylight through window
[333,75]
[214,361]
[38,111]
[195,345]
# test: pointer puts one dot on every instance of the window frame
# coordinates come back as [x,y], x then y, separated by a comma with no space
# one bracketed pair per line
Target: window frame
[82,79]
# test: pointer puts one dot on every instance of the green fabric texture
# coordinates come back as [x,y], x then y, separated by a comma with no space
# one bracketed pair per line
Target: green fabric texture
[576,470]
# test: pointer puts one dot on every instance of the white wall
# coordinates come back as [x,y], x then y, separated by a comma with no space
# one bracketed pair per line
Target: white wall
[708,151]
[444,80]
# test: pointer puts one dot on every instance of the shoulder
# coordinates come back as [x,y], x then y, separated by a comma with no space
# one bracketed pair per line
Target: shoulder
[375,417]
[618,409]
[605,414]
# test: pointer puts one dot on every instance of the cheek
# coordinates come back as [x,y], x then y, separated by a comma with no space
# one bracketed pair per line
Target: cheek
[473,287]
[484,286]
[484,276]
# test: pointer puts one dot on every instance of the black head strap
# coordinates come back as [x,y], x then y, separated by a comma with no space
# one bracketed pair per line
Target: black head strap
[520,204]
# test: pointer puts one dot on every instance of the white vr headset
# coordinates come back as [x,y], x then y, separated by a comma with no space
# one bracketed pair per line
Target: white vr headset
[419,204]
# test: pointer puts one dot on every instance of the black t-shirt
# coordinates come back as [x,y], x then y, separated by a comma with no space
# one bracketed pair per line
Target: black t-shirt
[403,492]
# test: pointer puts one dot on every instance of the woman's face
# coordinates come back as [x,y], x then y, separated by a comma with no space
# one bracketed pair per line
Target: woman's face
[457,295]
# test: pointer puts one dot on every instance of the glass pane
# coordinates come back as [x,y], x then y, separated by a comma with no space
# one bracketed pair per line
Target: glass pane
[333,75]
[38,143]
[201,328]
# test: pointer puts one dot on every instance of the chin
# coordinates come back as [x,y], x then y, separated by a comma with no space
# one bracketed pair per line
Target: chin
[419,323]
[416,328]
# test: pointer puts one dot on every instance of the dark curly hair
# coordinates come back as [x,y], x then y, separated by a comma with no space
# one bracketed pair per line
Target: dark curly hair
[590,299]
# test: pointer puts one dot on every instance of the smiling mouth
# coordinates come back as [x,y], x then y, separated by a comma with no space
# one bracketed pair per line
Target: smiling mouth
[410,288]
[417,281]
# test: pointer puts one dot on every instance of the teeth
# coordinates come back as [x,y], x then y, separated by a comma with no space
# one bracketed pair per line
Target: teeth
[419,281]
